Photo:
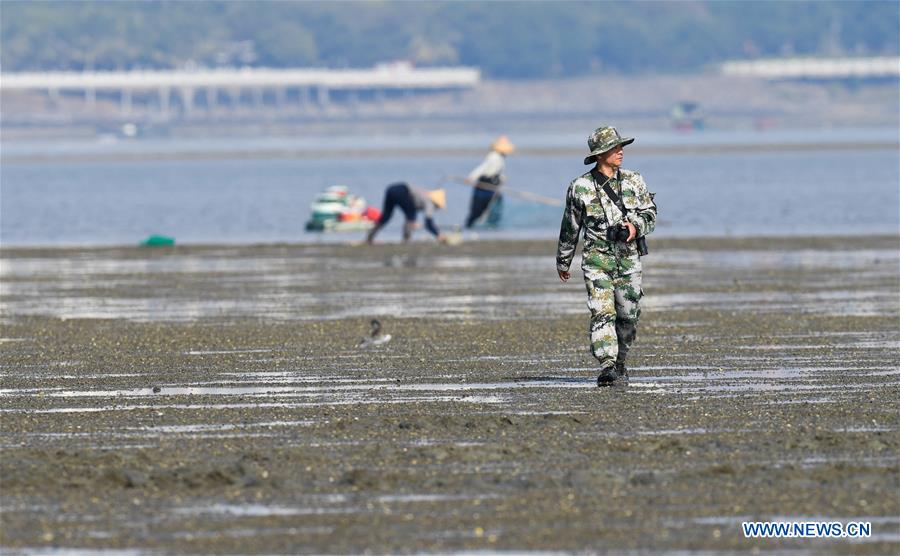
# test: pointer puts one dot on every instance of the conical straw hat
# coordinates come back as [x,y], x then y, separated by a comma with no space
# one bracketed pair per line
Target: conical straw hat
[438,197]
[502,145]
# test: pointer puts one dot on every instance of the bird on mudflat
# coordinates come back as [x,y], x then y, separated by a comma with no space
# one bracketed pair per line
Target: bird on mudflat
[375,337]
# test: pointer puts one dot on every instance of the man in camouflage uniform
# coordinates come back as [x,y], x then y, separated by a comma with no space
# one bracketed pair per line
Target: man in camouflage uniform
[612,268]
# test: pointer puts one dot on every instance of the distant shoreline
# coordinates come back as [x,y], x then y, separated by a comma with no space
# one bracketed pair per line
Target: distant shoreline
[306,154]
[494,106]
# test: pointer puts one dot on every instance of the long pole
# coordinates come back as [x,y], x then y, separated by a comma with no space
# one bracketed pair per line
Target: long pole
[524,195]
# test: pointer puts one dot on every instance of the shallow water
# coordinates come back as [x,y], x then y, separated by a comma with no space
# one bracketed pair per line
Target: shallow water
[448,285]
[96,194]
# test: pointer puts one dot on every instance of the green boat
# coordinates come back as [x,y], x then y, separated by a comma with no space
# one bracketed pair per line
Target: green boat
[337,210]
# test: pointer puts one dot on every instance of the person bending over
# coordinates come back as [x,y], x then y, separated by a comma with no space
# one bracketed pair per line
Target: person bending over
[412,200]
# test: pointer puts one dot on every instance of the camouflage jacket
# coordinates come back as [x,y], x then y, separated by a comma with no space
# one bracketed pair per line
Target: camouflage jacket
[588,207]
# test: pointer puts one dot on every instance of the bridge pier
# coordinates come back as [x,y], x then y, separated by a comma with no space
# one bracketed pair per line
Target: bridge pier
[304,96]
[187,99]
[212,99]
[53,97]
[125,102]
[234,98]
[164,101]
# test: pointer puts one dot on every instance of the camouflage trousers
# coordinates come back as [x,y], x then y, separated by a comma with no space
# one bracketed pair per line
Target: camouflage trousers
[614,301]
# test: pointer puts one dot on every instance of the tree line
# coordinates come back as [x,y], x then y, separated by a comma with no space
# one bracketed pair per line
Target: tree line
[509,40]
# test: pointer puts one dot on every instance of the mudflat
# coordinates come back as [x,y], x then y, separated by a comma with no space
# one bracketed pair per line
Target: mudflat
[216,399]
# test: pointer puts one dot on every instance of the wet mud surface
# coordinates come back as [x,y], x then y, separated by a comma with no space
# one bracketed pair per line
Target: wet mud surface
[215,399]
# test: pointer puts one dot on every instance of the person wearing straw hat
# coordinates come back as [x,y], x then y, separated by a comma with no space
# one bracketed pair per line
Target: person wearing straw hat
[614,208]
[411,200]
[487,178]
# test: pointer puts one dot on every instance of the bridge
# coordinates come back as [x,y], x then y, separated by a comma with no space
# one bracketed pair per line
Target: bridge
[816,68]
[309,84]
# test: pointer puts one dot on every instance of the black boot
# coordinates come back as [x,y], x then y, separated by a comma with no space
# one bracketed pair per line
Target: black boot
[621,369]
[370,237]
[608,375]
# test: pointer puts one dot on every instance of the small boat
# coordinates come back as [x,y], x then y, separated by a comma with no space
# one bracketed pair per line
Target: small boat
[687,116]
[337,210]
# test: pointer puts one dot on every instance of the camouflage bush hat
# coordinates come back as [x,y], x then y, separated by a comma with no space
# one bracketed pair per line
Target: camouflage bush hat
[604,139]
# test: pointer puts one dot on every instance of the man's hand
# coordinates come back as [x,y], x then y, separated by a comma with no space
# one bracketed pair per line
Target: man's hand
[564,275]
[632,231]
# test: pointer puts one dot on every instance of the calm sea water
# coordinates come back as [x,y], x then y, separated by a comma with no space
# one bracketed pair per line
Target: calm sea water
[258,199]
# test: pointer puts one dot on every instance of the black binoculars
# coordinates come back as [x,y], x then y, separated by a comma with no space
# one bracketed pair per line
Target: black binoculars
[620,232]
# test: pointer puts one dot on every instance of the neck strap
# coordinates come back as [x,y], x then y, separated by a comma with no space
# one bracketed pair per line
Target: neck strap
[613,196]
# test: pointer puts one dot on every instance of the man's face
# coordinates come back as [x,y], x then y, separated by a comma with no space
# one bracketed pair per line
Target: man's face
[612,157]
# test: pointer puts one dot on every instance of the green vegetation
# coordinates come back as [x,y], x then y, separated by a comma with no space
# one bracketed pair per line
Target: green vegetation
[505,39]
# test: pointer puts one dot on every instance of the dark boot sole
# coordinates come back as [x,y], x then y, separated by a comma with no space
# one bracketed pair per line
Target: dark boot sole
[607,378]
